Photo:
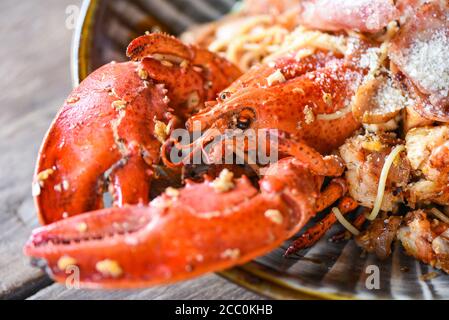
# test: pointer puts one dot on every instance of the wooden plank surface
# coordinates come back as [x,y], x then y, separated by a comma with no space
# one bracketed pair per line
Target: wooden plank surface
[210,287]
[34,80]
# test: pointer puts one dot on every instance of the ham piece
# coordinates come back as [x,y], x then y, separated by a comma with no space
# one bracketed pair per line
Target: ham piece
[363,15]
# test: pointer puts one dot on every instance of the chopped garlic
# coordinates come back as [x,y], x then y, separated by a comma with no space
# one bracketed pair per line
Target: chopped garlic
[327,98]
[166,63]
[211,214]
[184,64]
[160,203]
[142,73]
[62,186]
[274,215]
[35,189]
[73,100]
[172,192]
[109,268]
[65,185]
[119,105]
[372,145]
[193,100]
[298,90]
[81,227]
[65,262]
[230,254]
[40,179]
[44,175]
[276,77]
[309,116]
[224,182]
[160,131]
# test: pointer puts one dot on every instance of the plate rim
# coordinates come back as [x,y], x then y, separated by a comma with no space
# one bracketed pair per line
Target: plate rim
[248,275]
[82,37]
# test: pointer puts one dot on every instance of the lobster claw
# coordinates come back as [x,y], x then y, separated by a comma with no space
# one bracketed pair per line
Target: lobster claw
[190,74]
[109,132]
[101,133]
[181,234]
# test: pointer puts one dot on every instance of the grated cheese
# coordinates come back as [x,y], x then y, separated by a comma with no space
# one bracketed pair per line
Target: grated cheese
[345,222]
[373,59]
[383,180]
[389,98]
[369,60]
[428,64]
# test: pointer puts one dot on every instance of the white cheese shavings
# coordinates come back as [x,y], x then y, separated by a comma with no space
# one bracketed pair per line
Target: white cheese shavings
[427,63]
[389,98]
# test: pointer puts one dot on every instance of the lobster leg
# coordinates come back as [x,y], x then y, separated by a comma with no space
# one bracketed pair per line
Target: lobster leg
[315,233]
[181,234]
[334,191]
[331,165]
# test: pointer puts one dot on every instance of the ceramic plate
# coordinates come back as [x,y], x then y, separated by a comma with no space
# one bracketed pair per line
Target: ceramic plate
[327,270]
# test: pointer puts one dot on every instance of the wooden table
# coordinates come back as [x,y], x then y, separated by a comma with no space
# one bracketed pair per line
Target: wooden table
[34,80]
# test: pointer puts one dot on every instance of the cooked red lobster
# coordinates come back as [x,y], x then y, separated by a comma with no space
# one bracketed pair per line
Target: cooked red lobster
[114,130]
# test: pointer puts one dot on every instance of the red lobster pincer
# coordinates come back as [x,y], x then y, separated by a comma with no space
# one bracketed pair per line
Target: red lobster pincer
[202,227]
[108,134]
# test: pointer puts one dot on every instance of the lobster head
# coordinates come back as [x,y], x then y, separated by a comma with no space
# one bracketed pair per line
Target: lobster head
[288,95]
